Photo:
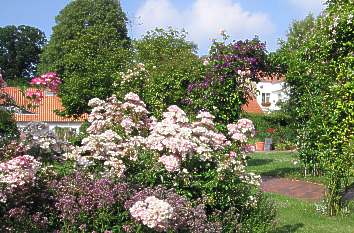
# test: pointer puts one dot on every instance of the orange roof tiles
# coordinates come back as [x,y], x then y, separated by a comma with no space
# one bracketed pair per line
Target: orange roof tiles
[44,111]
[272,78]
[252,106]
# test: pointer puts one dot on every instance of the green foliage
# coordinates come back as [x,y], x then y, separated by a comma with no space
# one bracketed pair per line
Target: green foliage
[88,48]
[321,80]
[278,125]
[8,128]
[19,51]
[170,65]
[77,138]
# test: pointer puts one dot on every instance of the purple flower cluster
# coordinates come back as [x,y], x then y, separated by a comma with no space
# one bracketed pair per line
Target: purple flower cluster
[77,193]
[238,61]
[22,214]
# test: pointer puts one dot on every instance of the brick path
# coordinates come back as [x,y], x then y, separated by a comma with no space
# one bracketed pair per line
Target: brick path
[293,188]
[298,189]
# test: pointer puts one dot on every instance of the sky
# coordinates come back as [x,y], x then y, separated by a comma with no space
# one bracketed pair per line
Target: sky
[202,19]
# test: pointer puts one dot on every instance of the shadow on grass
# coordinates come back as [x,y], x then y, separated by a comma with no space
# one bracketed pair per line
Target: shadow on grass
[281,172]
[259,162]
[288,228]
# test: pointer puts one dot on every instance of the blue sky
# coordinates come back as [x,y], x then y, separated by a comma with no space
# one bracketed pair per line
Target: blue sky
[203,19]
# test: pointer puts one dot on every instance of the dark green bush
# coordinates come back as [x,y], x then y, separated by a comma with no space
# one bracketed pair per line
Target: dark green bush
[277,125]
[8,128]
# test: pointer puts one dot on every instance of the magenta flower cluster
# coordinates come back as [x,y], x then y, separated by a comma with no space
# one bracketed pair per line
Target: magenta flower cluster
[35,95]
[48,80]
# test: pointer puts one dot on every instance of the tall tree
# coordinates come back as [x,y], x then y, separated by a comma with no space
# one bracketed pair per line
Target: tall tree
[321,81]
[170,64]
[297,35]
[19,50]
[88,48]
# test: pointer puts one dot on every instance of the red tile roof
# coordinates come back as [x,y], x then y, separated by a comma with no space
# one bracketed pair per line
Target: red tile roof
[44,111]
[272,78]
[252,106]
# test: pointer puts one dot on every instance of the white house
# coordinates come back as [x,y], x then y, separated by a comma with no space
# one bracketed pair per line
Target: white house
[271,90]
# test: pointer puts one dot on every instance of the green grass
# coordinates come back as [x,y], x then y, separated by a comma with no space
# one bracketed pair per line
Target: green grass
[297,216]
[280,164]
[294,215]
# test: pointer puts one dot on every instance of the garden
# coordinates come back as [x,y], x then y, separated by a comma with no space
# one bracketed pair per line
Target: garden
[166,146]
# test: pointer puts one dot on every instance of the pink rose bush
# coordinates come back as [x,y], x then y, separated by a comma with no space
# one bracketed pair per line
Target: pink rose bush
[163,210]
[16,174]
[49,81]
[242,130]
[174,139]
[130,144]
[35,95]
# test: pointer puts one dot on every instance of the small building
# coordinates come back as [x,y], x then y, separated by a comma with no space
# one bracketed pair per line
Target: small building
[43,112]
[271,91]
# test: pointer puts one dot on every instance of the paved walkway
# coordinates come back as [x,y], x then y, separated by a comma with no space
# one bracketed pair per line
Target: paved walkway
[293,188]
[298,189]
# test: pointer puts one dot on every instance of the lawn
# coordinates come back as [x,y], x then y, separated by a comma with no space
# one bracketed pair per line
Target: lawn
[296,215]
[280,164]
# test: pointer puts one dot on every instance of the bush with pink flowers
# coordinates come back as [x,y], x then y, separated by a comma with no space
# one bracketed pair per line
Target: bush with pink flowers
[191,157]
[135,173]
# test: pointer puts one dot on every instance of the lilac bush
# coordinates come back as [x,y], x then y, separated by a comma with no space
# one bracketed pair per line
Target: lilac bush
[230,76]
[79,195]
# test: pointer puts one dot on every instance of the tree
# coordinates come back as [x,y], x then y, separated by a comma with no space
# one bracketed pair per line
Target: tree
[88,48]
[19,51]
[296,36]
[321,81]
[168,64]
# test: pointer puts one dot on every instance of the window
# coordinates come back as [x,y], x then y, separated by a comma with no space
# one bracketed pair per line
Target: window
[265,98]
[49,93]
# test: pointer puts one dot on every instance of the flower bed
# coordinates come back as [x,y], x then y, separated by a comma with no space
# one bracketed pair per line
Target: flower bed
[135,173]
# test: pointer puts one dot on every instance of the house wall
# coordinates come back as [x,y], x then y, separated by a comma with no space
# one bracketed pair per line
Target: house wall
[277,93]
[52,125]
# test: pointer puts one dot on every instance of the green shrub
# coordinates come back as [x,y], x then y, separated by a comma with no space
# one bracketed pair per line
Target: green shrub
[8,128]
[165,63]
[277,125]
[321,81]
